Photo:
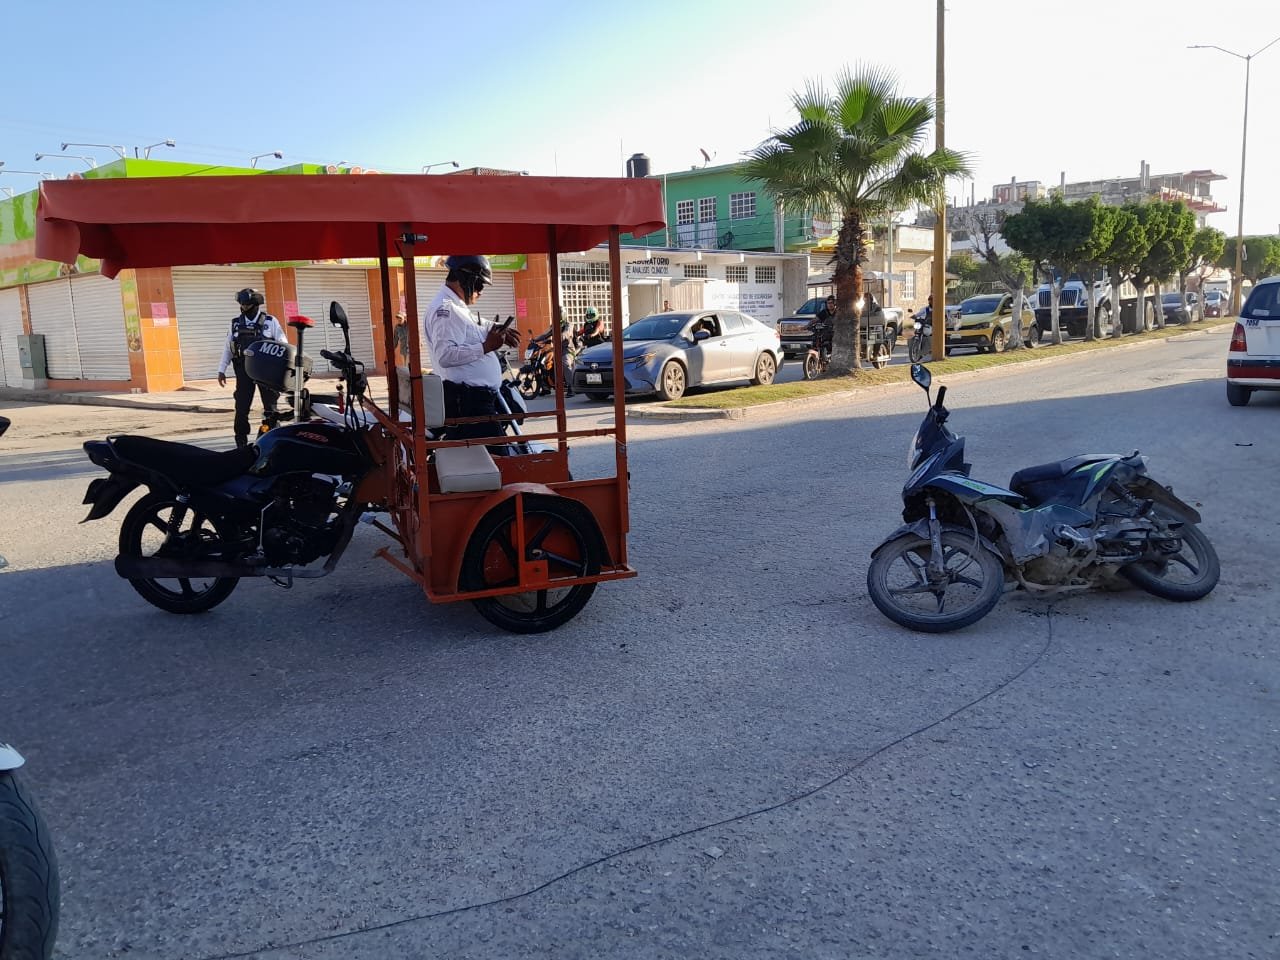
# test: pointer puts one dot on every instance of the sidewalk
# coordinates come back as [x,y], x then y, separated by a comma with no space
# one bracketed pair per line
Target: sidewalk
[198,396]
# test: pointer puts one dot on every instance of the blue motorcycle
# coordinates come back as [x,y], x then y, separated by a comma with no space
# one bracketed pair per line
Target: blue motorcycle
[1057,528]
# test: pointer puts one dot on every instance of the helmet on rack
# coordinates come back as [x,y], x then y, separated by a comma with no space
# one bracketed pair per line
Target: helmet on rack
[249,297]
[471,272]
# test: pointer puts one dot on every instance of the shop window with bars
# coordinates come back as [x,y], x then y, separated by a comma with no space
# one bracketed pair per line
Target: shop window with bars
[766,274]
[695,271]
[736,273]
[742,206]
[583,285]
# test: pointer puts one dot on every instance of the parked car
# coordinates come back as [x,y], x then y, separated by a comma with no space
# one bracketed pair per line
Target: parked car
[1253,359]
[1176,307]
[666,353]
[1216,303]
[985,322]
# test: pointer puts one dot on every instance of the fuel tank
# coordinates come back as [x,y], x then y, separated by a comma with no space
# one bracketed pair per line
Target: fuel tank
[312,447]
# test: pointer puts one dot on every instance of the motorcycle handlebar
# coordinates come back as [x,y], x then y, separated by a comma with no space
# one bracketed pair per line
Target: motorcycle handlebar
[334,358]
[942,392]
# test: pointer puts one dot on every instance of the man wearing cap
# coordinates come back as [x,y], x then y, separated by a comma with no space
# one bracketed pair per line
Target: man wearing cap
[463,350]
[253,324]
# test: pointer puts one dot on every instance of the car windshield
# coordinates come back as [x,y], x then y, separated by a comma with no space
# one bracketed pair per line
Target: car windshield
[979,305]
[812,305]
[1263,303]
[1172,298]
[659,326]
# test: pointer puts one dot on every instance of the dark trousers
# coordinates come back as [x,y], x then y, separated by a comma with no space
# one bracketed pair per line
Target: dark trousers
[461,400]
[244,400]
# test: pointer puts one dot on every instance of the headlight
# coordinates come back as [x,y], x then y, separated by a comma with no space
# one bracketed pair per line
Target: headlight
[639,361]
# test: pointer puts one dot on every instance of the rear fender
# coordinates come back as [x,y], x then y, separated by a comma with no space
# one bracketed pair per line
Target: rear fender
[1151,490]
[105,494]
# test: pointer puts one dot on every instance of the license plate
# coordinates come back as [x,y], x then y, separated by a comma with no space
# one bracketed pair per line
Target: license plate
[595,378]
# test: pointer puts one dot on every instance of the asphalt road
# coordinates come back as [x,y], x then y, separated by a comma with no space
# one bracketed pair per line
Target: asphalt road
[733,755]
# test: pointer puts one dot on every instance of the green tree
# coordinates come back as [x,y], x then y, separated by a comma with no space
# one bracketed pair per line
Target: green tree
[1012,270]
[1206,248]
[1170,228]
[1123,254]
[858,153]
[1053,234]
[1262,258]
[1089,266]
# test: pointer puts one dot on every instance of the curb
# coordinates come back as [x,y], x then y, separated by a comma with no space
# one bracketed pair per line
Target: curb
[742,413]
[95,400]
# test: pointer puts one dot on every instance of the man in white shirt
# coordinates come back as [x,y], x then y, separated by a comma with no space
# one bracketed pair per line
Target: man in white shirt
[463,350]
[253,324]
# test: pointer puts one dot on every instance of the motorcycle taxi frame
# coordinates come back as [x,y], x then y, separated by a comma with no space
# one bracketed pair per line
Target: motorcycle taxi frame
[161,222]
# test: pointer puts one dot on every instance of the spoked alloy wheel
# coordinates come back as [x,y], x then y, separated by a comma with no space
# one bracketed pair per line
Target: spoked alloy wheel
[672,381]
[810,367]
[160,526]
[766,370]
[557,531]
[997,341]
[880,356]
[28,877]
[1186,567]
[902,589]
[527,384]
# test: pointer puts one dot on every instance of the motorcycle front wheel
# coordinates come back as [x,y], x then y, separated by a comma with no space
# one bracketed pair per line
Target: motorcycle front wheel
[1187,567]
[900,587]
[811,366]
[28,877]
[527,384]
[915,348]
[160,526]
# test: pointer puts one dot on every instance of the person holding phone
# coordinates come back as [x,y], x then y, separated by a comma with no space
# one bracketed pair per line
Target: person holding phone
[464,349]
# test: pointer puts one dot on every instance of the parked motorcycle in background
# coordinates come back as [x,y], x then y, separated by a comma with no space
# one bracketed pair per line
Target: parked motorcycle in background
[28,868]
[922,337]
[1058,528]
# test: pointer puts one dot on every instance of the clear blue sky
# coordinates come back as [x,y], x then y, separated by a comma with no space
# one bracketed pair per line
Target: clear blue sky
[573,87]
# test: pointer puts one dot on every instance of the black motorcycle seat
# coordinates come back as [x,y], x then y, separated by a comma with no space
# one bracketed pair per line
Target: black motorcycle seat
[183,463]
[1051,471]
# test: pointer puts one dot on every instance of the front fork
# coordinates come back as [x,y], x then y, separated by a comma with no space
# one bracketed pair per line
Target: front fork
[937,566]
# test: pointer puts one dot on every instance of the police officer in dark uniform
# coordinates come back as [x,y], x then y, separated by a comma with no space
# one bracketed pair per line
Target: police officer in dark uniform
[253,324]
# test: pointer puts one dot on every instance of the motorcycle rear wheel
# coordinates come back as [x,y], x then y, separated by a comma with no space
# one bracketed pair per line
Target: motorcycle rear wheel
[898,575]
[28,877]
[1165,579]
[145,533]
[559,531]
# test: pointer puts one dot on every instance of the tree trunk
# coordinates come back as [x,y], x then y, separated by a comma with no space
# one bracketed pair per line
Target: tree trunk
[1117,321]
[1055,293]
[1158,305]
[1015,328]
[1091,311]
[850,254]
[1140,315]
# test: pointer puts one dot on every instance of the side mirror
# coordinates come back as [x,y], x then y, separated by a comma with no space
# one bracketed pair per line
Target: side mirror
[921,375]
[337,316]
[700,335]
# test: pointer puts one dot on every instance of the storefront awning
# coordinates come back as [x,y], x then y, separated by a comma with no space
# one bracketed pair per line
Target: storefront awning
[198,220]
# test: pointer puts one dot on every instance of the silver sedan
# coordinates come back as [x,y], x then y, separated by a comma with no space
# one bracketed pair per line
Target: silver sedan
[666,353]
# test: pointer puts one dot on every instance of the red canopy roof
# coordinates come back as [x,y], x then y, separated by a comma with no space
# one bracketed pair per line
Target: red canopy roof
[165,221]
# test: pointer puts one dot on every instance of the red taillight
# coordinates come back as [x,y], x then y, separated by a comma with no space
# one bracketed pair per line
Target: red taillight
[1238,343]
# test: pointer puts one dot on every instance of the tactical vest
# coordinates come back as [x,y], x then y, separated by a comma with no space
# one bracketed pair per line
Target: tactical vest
[245,331]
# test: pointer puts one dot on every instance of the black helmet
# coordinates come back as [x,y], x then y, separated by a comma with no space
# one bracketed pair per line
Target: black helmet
[249,297]
[469,271]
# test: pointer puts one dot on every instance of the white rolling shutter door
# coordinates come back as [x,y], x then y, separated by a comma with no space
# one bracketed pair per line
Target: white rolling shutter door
[498,299]
[53,317]
[99,316]
[205,301]
[10,330]
[317,286]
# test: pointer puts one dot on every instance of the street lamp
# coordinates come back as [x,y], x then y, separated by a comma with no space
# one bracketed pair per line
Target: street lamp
[104,146]
[442,163]
[1244,140]
[253,161]
[93,164]
[146,151]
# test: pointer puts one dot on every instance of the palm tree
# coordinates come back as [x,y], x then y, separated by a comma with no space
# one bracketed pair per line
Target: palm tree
[856,154]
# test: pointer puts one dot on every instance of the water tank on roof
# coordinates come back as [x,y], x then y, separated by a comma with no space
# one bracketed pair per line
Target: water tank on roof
[637,165]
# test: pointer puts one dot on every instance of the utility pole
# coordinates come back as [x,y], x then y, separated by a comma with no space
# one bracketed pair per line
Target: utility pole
[1244,141]
[939,286]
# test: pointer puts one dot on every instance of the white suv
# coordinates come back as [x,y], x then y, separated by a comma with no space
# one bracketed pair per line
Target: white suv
[1253,359]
